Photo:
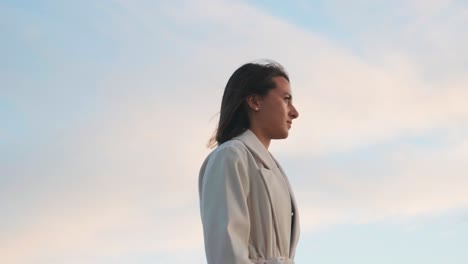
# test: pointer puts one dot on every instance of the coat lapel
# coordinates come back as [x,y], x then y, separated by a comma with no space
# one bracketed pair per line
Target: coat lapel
[295,227]
[262,154]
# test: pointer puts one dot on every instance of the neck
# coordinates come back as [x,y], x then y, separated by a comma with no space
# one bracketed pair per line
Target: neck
[265,140]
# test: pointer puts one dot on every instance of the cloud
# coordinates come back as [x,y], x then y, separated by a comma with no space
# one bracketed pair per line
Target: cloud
[398,182]
[124,181]
[120,176]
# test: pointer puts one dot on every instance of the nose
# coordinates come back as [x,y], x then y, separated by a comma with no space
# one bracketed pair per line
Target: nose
[293,113]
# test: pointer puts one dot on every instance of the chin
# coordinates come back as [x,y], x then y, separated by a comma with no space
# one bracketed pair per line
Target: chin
[281,135]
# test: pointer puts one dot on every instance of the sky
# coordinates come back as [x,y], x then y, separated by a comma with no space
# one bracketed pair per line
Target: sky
[107,107]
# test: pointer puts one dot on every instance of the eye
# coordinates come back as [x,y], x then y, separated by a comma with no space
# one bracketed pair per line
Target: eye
[287,98]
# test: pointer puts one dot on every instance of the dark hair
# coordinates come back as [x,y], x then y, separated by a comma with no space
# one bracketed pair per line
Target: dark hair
[249,79]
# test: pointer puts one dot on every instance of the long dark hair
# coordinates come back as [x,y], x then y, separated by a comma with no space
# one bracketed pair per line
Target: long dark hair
[249,79]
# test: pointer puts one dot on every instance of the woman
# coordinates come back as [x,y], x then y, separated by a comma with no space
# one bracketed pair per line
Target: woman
[248,210]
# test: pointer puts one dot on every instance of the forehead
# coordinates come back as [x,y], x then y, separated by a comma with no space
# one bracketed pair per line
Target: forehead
[282,85]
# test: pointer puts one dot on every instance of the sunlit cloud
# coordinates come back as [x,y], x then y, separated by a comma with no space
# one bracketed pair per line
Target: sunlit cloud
[109,160]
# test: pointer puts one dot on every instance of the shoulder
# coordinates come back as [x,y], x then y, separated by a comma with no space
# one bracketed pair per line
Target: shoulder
[229,158]
[232,145]
[232,149]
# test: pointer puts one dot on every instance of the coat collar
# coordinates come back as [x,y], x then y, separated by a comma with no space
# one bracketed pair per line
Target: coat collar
[255,145]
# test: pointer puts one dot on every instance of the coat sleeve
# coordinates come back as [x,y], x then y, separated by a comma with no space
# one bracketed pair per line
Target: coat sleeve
[224,187]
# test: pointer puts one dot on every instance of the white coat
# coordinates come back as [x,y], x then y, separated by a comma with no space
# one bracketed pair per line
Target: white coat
[248,210]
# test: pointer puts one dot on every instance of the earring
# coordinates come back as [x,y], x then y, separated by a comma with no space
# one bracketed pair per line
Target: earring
[256,108]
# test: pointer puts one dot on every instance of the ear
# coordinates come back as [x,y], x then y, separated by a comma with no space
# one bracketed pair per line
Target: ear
[253,101]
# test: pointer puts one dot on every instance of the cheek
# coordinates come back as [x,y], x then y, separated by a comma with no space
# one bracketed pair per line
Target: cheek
[281,113]
[276,113]
[284,109]
[281,108]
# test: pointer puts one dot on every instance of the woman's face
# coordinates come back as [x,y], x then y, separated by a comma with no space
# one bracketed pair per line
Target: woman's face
[275,111]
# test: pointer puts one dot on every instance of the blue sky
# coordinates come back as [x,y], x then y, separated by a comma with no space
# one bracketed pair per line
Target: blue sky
[107,108]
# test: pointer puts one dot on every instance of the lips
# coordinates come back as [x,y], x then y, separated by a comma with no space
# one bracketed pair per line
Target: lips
[289,123]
